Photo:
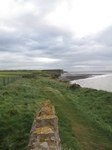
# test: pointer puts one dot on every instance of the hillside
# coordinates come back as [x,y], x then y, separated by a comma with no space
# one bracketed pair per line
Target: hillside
[85,115]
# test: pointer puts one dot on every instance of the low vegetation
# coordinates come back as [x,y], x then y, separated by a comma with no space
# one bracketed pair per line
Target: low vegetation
[85,115]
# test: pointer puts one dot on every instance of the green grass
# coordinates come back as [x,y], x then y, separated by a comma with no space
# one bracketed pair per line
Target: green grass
[85,115]
[13,73]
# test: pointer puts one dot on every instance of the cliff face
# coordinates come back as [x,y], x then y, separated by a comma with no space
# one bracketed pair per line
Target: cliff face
[44,133]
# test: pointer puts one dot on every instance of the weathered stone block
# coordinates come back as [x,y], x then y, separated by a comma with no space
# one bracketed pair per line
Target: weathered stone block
[44,134]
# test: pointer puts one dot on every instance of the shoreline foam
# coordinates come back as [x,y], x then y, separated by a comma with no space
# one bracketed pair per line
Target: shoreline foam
[101,82]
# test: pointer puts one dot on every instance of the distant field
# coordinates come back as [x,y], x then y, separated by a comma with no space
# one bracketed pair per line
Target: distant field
[13,73]
[7,77]
[85,115]
[10,74]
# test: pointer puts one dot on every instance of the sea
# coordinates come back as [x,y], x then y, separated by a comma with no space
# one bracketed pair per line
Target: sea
[97,80]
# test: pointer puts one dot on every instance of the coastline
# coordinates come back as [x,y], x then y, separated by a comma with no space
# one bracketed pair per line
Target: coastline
[70,77]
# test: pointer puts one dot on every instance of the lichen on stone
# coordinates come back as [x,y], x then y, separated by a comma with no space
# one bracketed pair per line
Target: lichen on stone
[44,134]
[43,117]
[43,130]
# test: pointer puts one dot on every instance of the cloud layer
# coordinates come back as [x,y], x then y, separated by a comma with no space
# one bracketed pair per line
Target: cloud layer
[29,41]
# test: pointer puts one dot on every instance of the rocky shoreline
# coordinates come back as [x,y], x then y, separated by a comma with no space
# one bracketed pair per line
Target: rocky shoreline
[69,77]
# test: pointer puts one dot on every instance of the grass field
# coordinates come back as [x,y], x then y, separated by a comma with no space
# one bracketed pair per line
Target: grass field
[85,115]
[12,73]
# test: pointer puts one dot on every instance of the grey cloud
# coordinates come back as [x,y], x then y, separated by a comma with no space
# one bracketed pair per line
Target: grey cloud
[69,50]
[105,37]
[35,38]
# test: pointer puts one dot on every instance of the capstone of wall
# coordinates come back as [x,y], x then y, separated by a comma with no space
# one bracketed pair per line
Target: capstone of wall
[44,134]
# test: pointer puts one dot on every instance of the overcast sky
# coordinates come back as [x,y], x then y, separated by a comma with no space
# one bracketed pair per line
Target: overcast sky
[52,34]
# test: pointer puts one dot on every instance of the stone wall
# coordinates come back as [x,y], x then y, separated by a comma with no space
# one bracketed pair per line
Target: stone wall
[44,133]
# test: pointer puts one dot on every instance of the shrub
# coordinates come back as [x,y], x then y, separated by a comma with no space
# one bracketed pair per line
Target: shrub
[74,86]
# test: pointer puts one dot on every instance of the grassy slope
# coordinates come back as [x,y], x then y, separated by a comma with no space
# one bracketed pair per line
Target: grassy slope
[85,115]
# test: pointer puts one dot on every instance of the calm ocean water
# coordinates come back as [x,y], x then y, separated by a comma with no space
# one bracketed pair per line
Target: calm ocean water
[99,82]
